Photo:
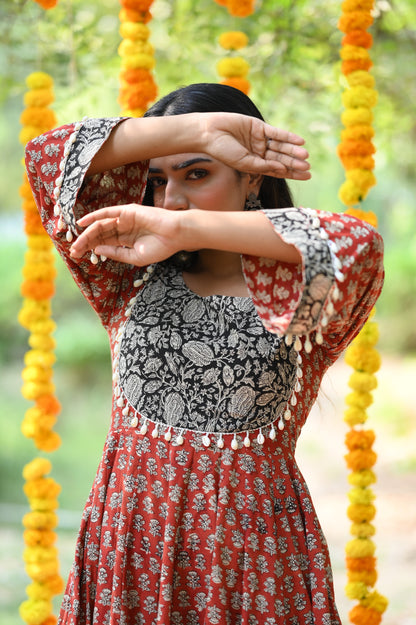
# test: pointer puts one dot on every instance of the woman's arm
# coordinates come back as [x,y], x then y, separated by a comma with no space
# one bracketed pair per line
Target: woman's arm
[141,236]
[242,142]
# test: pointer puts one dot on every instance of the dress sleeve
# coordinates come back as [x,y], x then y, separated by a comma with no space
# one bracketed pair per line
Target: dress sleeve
[56,164]
[332,291]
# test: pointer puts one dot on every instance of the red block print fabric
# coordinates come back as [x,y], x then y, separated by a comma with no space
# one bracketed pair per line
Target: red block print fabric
[198,513]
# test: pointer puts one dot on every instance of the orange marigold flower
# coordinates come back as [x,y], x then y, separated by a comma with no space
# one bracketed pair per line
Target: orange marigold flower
[359,439]
[367,577]
[357,5]
[240,8]
[355,20]
[357,162]
[354,147]
[49,403]
[360,615]
[43,538]
[358,38]
[359,459]
[355,65]
[361,564]
[136,5]
[238,83]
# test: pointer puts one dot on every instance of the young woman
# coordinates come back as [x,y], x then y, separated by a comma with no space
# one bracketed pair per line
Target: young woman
[224,307]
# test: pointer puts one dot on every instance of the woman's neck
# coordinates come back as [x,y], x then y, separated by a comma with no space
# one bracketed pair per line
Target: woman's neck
[216,273]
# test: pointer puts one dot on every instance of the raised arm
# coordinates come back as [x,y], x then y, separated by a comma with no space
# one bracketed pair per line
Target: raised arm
[242,142]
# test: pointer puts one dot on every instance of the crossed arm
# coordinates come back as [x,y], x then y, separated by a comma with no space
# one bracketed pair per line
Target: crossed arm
[141,236]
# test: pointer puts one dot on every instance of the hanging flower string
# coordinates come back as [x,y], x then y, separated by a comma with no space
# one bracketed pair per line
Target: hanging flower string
[356,148]
[40,555]
[356,153]
[137,86]
[233,69]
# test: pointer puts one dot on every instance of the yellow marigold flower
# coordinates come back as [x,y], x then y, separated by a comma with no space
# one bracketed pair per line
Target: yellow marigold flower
[362,496]
[43,505]
[361,513]
[355,416]
[233,40]
[37,468]
[360,381]
[362,529]
[361,178]
[39,80]
[39,271]
[33,390]
[38,97]
[361,115]
[39,358]
[350,194]
[362,478]
[38,591]
[41,572]
[39,554]
[40,520]
[44,487]
[349,53]
[368,578]
[361,78]
[376,601]
[44,326]
[43,538]
[38,116]
[138,60]
[37,375]
[234,66]
[47,441]
[129,48]
[42,342]
[356,590]
[369,334]
[133,112]
[30,132]
[33,312]
[35,611]
[363,358]
[359,97]
[134,30]
[359,399]
[360,548]
[39,242]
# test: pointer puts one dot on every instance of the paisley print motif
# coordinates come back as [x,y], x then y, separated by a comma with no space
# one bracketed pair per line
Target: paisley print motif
[202,363]
[188,534]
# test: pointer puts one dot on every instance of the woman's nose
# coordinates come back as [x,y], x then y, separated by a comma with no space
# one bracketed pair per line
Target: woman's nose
[175,198]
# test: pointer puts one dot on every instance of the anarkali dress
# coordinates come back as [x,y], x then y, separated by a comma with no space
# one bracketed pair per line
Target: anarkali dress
[199,513]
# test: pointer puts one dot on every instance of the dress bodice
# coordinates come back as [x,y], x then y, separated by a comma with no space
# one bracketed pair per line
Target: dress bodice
[202,363]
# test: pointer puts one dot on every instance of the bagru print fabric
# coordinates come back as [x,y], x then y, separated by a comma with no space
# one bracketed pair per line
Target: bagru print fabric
[199,513]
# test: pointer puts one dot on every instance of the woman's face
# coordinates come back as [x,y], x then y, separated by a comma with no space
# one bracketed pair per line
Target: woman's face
[193,180]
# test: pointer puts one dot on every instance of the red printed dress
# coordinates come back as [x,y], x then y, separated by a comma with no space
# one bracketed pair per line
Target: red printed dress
[199,513]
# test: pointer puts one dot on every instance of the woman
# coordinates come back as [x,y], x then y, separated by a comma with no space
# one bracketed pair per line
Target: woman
[222,322]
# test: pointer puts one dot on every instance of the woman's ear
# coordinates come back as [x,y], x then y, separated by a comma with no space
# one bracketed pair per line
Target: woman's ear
[254,183]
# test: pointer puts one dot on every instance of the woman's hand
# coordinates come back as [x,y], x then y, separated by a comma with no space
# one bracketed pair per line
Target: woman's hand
[130,233]
[248,144]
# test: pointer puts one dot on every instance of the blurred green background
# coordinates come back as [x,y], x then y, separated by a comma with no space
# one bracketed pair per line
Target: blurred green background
[296,82]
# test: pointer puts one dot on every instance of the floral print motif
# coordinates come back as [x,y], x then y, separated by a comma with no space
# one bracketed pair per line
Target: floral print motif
[204,364]
[188,534]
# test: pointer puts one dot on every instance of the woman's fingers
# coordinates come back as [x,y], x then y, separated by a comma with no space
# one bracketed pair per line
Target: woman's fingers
[103,231]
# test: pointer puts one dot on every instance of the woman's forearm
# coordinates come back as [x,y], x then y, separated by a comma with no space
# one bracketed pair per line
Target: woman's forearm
[242,232]
[139,139]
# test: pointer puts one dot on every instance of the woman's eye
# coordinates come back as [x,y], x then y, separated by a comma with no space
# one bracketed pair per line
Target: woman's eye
[196,174]
[156,182]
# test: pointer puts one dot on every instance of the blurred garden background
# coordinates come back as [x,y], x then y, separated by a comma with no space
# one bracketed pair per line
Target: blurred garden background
[296,82]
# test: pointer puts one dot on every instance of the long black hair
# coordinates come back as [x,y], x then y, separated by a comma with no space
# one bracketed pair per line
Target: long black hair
[217,98]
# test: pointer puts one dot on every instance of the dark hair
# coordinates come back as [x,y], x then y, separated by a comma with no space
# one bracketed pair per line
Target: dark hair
[216,98]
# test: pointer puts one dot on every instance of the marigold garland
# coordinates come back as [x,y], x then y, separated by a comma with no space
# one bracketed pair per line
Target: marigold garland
[234,69]
[40,555]
[137,86]
[47,4]
[356,151]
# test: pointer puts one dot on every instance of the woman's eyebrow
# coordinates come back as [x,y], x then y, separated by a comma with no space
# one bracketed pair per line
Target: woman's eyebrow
[183,165]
